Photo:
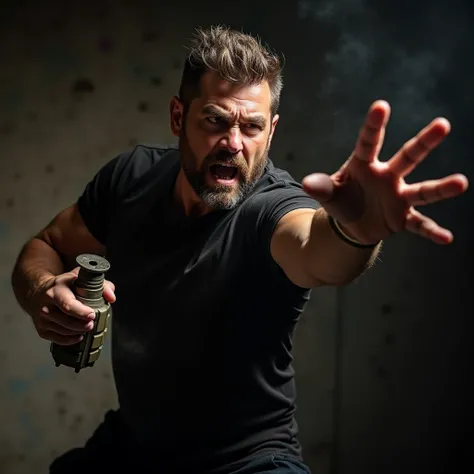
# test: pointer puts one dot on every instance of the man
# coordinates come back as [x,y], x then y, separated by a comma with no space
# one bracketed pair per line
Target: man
[213,254]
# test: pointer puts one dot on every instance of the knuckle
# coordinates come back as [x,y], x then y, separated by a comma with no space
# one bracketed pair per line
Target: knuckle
[365,144]
[420,142]
[65,306]
[408,155]
[423,193]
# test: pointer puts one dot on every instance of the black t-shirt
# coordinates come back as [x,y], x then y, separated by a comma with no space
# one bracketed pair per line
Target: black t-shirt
[203,323]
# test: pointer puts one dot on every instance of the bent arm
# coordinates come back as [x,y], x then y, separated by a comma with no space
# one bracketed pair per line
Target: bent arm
[309,252]
[50,253]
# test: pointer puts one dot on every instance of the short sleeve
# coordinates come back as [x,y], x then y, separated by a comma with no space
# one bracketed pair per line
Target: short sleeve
[269,206]
[98,203]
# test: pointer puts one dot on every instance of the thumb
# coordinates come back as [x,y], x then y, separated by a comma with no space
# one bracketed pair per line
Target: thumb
[320,186]
[75,271]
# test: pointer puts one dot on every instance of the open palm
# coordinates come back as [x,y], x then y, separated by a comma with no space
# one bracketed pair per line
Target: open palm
[371,199]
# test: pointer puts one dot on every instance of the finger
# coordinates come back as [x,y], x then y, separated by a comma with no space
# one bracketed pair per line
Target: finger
[428,228]
[320,186]
[372,134]
[75,271]
[415,150]
[109,291]
[61,340]
[51,326]
[429,192]
[65,300]
[70,323]
[68,278]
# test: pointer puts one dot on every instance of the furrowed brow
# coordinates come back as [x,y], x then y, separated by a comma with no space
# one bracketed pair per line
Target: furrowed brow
[212,110]
[257,120]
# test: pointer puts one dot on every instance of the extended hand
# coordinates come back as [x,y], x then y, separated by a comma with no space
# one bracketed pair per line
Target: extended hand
[371,199]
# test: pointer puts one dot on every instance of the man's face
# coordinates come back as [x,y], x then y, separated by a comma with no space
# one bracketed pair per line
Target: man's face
[224,139]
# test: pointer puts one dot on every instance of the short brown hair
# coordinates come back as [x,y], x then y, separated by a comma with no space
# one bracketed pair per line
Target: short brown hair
[236,56]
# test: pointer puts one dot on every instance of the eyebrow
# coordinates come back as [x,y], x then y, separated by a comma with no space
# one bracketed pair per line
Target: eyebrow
[218,112]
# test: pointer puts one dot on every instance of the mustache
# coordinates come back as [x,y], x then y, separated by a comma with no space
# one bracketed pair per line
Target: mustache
[223,157]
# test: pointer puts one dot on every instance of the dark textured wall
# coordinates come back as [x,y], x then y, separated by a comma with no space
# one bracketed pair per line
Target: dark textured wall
[383,365]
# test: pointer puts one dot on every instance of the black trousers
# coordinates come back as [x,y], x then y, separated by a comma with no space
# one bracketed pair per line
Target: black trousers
[107,451]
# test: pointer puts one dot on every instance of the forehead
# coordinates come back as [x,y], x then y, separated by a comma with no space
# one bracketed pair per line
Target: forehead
[233,97]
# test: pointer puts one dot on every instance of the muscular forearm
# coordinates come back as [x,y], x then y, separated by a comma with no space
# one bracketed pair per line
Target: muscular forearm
[37,264]
[330,260]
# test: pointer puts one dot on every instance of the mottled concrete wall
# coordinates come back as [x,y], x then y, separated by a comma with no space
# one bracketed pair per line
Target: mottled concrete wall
[91,79]
[82,84]
[79,85]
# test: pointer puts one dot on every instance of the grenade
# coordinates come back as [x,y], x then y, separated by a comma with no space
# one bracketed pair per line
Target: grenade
[88,289]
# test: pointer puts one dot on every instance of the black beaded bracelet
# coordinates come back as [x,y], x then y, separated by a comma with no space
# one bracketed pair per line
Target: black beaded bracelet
[348,240]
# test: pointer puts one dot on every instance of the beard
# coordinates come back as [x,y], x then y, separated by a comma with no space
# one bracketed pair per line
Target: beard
[221,196]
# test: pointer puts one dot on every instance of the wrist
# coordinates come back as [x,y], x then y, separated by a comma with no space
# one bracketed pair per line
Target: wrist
[347,236]
[346,232]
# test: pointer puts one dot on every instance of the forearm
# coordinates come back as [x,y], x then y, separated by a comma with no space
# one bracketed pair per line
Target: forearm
[37,264]
[330,260]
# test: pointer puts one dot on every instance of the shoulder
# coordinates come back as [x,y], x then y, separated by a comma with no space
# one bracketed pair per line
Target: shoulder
[130,175]
[141,159]
[275,195]
[278,192]
[132,168]
[148,155]
[276,175]
[121,175]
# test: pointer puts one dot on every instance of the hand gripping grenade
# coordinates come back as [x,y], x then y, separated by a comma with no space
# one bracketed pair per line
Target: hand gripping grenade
[88,289]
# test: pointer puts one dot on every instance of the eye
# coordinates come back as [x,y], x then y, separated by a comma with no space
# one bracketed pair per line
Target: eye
[213,120]
[253,127]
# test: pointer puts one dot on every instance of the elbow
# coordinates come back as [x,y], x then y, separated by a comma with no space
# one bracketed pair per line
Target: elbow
[338,279]
[334,282]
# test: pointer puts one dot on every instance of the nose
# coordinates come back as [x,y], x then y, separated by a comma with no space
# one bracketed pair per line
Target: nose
[232,140]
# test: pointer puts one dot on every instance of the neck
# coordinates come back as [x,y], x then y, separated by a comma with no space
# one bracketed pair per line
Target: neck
[187,199]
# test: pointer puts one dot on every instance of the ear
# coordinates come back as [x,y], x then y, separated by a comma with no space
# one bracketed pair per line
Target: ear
[176,116]
[272,129]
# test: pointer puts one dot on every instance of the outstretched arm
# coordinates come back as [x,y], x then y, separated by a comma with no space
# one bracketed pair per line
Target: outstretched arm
[306,247]
[363,203]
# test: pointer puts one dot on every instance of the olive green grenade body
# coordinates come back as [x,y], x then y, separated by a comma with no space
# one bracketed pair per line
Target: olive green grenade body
[88,289]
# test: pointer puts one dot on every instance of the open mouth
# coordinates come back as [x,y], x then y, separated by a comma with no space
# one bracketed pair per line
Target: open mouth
[223,173]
